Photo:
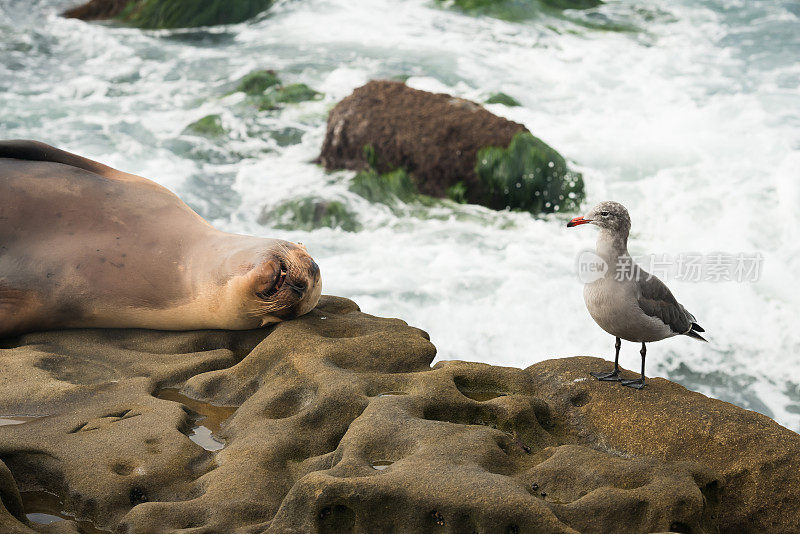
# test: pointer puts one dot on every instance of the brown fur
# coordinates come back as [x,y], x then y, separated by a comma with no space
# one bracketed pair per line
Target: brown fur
[98,247]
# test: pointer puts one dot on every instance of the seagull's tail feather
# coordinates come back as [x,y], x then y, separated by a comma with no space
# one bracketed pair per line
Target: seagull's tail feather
[693,332]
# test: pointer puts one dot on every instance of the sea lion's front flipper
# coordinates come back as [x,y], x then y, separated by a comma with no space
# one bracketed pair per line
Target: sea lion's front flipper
[15,307]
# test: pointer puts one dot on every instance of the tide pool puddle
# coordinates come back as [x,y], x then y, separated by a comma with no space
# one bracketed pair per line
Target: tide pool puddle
[15,419]
[44,508]
[380,465]
[209,415]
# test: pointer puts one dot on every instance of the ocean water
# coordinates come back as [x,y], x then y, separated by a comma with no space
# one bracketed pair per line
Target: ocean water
[688,113]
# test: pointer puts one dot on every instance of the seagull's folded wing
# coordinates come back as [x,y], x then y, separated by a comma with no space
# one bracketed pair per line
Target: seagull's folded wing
[656,300]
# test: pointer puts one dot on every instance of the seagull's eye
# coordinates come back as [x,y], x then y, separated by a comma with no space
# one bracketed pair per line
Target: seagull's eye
[604,213]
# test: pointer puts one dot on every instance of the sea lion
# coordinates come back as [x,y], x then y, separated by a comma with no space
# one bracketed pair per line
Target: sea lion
[85,245]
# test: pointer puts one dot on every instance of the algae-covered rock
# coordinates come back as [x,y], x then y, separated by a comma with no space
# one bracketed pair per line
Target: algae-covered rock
[258,81]
[310,214]
[208,126]
[502,98]
[97,10]
[155,14]
[528,175]
[336,422]
[294,93]
[158,14]
[287,136]
[386,187]
[515,10]
[289,94]
[435,139]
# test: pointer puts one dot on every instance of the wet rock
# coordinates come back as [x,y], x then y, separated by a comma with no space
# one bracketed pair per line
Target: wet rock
[336,422]
[502,98]
[286,94]
[208,126]
[309,214]
[756,461]
[258,81]
[97,10]
[157,14]
[517,10]
[450,147]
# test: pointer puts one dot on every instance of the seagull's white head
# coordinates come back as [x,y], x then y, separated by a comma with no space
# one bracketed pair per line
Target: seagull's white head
[608,215]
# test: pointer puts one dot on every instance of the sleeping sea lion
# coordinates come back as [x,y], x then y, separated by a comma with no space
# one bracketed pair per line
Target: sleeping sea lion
[85,245]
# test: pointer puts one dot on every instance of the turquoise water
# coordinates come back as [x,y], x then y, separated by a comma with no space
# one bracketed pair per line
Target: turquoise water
[690,117]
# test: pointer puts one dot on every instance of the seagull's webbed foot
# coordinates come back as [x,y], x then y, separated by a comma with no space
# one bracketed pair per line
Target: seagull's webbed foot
[637,383]
[610,376]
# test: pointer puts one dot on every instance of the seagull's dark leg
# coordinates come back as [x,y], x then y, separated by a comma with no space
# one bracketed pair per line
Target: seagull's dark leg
[610,375]
[639,382]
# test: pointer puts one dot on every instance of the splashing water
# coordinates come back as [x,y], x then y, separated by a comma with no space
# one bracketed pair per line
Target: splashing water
[687,114]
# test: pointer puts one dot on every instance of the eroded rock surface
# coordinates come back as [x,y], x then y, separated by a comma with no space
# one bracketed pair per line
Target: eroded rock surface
[339,424]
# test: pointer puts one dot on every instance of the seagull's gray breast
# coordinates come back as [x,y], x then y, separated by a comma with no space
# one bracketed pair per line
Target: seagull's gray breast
[636,308]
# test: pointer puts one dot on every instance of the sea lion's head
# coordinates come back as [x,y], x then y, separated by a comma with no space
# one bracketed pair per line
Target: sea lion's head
[283,282]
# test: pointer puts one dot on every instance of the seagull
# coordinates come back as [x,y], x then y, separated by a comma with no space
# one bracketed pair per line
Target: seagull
[627,301]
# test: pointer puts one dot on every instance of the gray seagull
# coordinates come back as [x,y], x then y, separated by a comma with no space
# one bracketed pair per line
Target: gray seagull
[626,301]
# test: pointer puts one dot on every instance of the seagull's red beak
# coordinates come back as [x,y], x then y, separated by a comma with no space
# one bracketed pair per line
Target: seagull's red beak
[578,221]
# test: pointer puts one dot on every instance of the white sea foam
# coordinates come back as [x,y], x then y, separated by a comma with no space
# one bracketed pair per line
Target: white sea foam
[693,123]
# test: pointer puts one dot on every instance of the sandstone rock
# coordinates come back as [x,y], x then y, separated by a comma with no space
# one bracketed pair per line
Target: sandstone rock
[756,460]
[441,141]
[335,422]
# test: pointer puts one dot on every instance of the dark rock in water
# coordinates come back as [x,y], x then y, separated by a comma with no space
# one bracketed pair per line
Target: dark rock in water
[528,175]
[502,98]
[516,10]
[309,214]
[438,140]
[266,90]
[258,81]
[157,14]
[385,188]
[208,126]
[288,94]
[339,424]
[97,10]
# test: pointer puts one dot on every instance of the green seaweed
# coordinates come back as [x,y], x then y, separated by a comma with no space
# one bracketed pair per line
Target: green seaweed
[258,81]
[530,176]
[457,192]
[159,14]
[311,213]
[385,188]
[502,98]
[208,126]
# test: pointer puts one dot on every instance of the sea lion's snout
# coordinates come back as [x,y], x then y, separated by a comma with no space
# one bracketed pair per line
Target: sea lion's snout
[304,279]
